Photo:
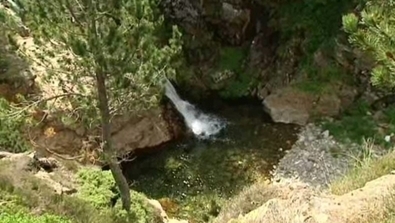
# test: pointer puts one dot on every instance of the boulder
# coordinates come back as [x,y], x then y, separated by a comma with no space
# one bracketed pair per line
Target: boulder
[294,106]
[146,130]
[289,105]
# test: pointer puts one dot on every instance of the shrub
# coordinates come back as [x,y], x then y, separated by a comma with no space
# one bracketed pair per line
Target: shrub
[11,124]
[21,217]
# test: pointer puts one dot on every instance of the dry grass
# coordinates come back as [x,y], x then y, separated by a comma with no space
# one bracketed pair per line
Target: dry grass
[379,214]
[249,199]
[367,169]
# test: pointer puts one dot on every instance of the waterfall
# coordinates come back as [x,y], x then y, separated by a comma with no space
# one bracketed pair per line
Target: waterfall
[202,125]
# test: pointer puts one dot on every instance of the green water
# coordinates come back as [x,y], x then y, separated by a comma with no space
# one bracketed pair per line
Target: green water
[196,177]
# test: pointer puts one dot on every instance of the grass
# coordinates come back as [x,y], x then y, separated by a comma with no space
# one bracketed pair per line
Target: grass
[367,169]
[359,122]
[320,80]
[247,200]
[231,59]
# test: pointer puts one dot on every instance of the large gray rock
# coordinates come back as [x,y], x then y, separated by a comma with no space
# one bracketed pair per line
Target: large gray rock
[289,106]
[292,105]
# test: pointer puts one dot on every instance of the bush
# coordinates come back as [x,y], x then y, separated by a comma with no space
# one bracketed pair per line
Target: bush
[21,217]
[373,32]
[11,124]
[98,188]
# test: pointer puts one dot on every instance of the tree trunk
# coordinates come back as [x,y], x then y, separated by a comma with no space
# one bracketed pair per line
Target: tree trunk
[109,153]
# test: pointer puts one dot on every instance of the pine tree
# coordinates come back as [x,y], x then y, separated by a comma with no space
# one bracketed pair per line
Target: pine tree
[116,46]
[374,33]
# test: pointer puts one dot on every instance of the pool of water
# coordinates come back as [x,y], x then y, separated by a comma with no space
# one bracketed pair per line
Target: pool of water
[193,178]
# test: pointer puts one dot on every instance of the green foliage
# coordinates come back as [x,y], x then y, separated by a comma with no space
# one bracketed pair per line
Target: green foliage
[319,21]
[97,187]
[355,125]
[123,40]
[27,218]
[141,211]
[359,123]
[374,33]
[11,123]
[231,58]
[320,79]
[231,61]
[239,87]
[21,194]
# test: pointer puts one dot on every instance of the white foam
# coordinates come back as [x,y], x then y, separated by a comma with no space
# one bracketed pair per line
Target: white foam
[202,125]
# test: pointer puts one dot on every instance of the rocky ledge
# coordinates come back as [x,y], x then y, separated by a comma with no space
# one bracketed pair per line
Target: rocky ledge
[316,158]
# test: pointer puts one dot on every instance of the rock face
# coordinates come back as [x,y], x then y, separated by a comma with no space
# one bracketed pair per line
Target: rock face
[292,105]
[131,132]
[301,203]
[148,130]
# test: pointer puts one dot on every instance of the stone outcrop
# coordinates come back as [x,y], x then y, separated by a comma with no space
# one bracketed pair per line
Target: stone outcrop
[130,132]
[150,129]
[293,105]
[301,203]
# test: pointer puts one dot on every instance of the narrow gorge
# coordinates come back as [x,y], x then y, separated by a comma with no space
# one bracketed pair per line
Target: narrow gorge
[223,111]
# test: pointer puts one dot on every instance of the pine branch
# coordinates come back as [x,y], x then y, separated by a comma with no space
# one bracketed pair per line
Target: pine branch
[27,107]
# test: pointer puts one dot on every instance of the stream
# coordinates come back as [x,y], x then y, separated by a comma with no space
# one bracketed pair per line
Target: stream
[193,177]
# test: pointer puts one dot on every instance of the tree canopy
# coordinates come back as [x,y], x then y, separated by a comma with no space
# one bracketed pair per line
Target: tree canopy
[127,40]
[374,32]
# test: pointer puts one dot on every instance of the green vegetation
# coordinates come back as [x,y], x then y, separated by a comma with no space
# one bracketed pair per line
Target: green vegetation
[27,218]
[11,125]
[23,194]
[239,80]
[366,168]
[320,80]
[103,50]
[360,122]
[98,188]
[373,32]
[115,55]
[319,21]
[308,28]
